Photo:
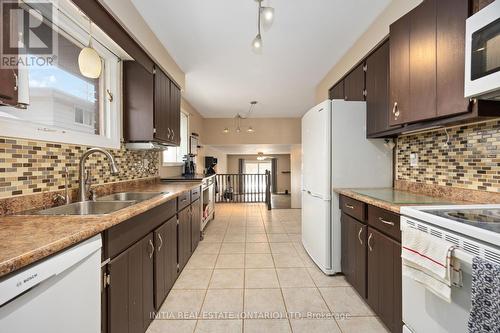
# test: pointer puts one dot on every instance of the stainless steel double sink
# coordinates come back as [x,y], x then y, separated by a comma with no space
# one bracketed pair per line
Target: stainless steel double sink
[103,205]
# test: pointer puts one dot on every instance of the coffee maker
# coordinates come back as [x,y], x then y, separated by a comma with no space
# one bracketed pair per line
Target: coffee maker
[189,165]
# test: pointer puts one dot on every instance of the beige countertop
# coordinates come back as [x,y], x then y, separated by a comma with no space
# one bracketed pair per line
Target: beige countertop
[25,239]
[392,199]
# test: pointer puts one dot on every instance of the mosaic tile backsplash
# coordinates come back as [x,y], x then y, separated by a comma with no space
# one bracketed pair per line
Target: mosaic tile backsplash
[470,160]
[28,167]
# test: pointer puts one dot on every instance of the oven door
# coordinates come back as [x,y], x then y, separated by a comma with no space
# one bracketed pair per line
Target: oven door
[482,53]
[425,312]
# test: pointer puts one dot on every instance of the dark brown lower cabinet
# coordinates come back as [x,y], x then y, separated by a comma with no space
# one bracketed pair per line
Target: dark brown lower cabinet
[184,237]
[384,279]
[130,292]
[195,224]
[353,260]
[165,260]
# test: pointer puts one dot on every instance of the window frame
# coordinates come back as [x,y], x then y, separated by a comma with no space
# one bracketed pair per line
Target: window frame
[70,23]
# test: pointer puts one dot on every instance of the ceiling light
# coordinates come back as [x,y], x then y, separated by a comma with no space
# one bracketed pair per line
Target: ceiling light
[265,16]
[268,17]
[225,130]
[250,129]
[257,44]
[89,61]
[260,156]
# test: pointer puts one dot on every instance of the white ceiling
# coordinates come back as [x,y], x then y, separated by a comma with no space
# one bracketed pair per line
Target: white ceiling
[211,42]
[241,149]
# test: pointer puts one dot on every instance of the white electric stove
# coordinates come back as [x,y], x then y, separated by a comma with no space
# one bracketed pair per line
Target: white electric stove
[475,230]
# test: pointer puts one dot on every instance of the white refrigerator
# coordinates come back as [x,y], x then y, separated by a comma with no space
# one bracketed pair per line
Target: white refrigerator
[336,154]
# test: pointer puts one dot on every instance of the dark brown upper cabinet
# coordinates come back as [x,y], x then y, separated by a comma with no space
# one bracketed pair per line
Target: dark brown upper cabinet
[399,70]
[377,91]
[337,91]
[151,105]
[354,84]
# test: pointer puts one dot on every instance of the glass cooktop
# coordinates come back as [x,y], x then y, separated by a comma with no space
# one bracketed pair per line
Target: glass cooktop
[488,219]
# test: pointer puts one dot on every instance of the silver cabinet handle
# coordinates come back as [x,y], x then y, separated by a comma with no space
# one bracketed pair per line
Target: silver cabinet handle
[386,222]
[173,134]
[395,110]
[369,239]
[16,78]
[161,242]
[349,206]
[152,249]
[359,235]
[169,133]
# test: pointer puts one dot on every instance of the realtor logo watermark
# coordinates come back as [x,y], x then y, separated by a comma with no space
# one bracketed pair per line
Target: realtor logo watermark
[28,39]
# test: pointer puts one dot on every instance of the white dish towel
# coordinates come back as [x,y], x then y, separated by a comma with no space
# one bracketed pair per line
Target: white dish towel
[428,259]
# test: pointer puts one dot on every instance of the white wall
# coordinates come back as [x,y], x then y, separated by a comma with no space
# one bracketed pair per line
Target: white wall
[296,180]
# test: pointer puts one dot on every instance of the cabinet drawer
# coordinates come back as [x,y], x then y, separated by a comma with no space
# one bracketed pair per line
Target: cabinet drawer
[183,200]
[195,194]
[354,208]
[385,221]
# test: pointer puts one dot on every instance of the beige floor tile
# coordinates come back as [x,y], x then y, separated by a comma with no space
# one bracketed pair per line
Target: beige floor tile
[345,300]
[234,238]
[266,325]
[182,304]
[253,260]
[261,278]
[230,261]
[283,248]
[207,248]
[273,229]
[256,238]
[198,261]
[256,230]
[171,326]
[193,279]
[362,324]
[304,300]
[278,238]
[228,301]
[257,248]
[295,237]
[261,302]
[294,277]
[219,326]
[288,260]
[213,238]
[232,248]
[315,325]
[227,279]
[323,280]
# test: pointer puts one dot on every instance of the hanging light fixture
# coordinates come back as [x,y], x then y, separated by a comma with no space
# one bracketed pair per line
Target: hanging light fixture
[238,119]
[265,18]
[260,156]
[89,61]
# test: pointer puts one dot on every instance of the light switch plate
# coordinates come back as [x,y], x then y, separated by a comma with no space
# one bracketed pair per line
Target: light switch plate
[413,159]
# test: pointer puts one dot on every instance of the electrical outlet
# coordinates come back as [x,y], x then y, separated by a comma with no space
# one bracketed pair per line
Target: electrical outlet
[413,159]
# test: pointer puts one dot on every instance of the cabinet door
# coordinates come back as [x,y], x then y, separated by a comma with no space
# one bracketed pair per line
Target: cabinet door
[165,260]
[337,91]
[399,105]
[195,224]
[384,279]
[354,84]
[451,16]
[184,237]
[130,293]
[354,253]
[175,113]
[377,90]
[138,106]
[162,107]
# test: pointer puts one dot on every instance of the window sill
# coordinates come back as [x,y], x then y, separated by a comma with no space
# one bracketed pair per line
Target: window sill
[171,164]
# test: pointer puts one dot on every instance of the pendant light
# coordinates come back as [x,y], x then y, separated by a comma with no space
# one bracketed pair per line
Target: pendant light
[257,41]
[267,17]
[89,61]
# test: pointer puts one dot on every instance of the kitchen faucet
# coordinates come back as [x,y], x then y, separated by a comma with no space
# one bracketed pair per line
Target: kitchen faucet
[82,191]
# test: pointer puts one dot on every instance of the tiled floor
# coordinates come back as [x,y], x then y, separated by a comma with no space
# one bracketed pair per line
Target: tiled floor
[251,274]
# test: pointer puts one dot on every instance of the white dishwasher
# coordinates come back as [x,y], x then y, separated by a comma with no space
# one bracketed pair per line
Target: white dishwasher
[59,294]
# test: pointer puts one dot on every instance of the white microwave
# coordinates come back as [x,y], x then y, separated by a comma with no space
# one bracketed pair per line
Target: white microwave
[482,53]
